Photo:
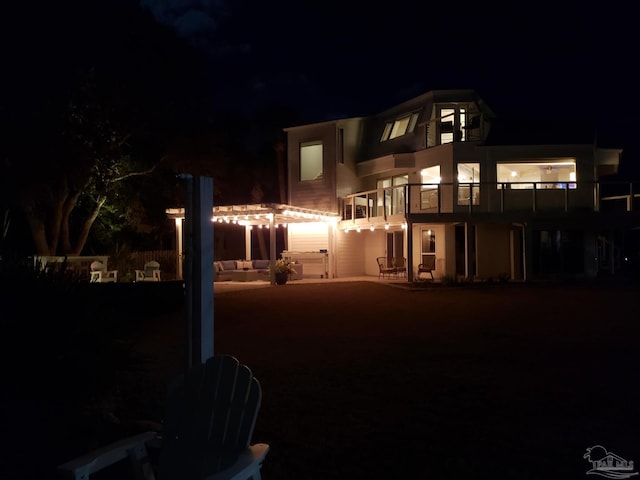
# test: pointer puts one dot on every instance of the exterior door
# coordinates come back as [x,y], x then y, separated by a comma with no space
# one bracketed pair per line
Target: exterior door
[395,244]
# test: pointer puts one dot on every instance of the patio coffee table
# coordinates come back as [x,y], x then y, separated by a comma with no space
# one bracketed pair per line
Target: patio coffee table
[244,275]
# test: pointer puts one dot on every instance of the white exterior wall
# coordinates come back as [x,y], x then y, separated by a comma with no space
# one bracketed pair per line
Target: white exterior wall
[347,181]
[350,253]
[374,246]
[309,237]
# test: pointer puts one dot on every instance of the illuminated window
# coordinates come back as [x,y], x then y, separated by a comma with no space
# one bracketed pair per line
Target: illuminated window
[428,248]
[468,183]
[430,178]
[384,199]
[310,161]
[545,174]
[455,123]
[393,197]
[398,193]
[399,127]
[446,125]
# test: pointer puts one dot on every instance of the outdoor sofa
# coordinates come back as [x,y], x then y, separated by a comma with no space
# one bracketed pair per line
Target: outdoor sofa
[223,269]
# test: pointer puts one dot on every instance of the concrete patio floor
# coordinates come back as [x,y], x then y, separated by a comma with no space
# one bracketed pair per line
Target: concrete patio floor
[229,286]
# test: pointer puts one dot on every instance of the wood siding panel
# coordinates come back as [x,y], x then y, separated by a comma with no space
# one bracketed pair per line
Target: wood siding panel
[309,238]
[350,254]
[302,241]
[317,194]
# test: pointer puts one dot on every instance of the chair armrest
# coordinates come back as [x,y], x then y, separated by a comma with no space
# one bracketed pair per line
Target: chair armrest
[139,275]
[81,467]
[246,466]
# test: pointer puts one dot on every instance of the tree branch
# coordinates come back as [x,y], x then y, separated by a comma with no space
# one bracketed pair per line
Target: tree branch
[135,174]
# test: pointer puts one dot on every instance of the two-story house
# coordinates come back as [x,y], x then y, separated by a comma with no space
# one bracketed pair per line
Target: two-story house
[435,176]
[439,178]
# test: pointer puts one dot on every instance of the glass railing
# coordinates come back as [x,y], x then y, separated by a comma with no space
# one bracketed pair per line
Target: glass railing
[383,202]
[498,197]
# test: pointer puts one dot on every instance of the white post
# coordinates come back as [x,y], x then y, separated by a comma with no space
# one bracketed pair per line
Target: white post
[199,269]
[247,242]
[179,247]
[272,247]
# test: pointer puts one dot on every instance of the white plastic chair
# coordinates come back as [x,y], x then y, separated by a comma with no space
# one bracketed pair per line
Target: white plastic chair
[151,272]
[210,419]
[100,274]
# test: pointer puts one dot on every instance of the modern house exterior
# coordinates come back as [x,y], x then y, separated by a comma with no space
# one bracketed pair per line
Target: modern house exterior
[439,180]
[436,176]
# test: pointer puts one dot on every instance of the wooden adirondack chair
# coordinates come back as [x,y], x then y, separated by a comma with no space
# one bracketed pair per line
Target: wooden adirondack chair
[210,418]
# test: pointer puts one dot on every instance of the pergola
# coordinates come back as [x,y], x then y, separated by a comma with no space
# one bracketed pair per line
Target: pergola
[263,215]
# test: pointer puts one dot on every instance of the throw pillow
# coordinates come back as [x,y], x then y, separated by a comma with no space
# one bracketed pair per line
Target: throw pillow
[261,264]
[228,264]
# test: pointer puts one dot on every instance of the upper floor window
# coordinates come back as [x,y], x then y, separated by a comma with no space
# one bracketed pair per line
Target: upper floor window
[544,174]
[399,127]
[430,179]
[310,161]
[452,125]
[392,201]
[454,122]
[468,183]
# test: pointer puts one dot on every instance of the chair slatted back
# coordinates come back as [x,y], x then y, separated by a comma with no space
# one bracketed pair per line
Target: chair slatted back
[150,268]
[98,266]
[211,415]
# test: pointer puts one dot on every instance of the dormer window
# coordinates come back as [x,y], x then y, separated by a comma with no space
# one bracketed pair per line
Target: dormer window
[399,127]
[453,122]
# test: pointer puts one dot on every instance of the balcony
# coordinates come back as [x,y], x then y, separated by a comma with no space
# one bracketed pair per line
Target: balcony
[394,204]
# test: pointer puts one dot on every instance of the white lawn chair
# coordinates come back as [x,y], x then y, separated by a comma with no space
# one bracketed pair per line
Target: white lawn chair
[210,418]
[151,272]
[100,274]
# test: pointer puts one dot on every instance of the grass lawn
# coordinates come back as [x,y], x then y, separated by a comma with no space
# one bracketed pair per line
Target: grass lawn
[364,380]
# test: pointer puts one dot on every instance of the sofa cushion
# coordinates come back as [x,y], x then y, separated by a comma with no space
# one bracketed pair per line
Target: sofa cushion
[260,264]
[228,264]
[217,266]
[244,264]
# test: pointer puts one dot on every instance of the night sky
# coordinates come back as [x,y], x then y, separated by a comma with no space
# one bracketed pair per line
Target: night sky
[336,59]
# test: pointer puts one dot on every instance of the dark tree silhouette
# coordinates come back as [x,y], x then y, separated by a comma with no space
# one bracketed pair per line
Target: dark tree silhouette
[94,99]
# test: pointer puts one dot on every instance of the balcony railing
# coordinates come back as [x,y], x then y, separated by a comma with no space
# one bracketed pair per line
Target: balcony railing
[496,198]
